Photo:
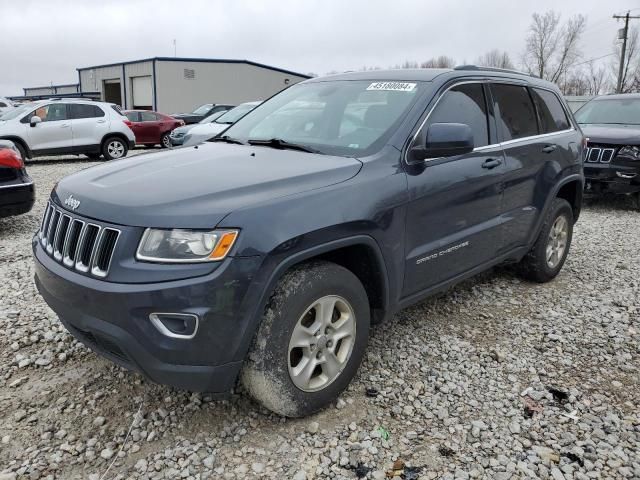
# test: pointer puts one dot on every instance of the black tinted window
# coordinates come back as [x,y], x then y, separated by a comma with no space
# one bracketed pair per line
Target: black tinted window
[79,110]
[552,116]
[464,104]
[517,117]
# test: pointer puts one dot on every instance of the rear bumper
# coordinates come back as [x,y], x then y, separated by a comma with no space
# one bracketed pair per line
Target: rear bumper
[612,178]
[18,198]
[113,320]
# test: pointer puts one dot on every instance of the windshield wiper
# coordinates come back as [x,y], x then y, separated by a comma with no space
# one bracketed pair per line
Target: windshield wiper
[226,139]
[282,144]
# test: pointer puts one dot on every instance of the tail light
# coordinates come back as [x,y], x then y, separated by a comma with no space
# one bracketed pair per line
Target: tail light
[10,158]
[128,123]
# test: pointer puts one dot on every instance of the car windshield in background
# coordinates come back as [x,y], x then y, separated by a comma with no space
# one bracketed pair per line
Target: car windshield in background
[610,111]
[338,117]
[233,115]
[212,117]
[202,109]
[16,112]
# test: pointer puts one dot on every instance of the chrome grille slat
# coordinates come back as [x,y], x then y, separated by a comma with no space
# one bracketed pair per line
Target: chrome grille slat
[82,246]
[600,154]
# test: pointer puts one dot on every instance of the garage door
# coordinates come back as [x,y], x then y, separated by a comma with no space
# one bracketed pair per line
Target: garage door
[142,93]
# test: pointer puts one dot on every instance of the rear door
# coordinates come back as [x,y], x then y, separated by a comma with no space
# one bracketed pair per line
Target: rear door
[532,141]
[89,124]
[453,217]
[54,132]
[137,127]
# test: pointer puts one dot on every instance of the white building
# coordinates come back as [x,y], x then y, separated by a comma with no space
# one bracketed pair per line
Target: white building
[173,85]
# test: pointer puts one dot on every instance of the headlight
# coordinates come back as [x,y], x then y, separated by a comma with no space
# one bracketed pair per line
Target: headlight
[630,152]
[185,246]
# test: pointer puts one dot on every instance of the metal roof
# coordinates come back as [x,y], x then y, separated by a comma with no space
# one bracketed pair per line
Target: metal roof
[202,60]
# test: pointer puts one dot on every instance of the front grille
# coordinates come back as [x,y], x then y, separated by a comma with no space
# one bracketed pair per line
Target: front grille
[600,154]
[78,245]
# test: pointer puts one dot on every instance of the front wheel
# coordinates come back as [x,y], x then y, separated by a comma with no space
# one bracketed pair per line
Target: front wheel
[311,340]
[547,256]
[114,148]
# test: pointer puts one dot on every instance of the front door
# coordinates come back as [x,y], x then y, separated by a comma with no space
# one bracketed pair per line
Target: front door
[54,132]
[453,217]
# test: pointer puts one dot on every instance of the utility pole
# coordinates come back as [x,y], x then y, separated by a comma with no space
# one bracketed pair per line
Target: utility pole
[625,34]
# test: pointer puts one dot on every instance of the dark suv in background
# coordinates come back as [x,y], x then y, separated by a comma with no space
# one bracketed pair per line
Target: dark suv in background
[611,124]
[269,253]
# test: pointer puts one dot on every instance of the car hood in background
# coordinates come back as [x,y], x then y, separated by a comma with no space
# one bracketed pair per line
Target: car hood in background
[202,133]
[197,187]
[612,134]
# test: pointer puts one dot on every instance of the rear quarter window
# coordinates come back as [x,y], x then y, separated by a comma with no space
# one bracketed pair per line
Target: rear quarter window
[517,117]
[553,117]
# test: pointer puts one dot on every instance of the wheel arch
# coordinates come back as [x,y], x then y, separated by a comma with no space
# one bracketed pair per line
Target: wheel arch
[109,135]
[571,191]
[18,140]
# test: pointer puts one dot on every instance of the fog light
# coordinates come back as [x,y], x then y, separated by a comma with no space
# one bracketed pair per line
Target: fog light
[176,325]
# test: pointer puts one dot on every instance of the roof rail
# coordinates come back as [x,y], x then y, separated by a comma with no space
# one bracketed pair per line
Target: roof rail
[493,69]
[78,97]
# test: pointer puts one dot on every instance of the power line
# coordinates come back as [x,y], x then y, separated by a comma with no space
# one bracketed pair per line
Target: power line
[594,59]
[625,35]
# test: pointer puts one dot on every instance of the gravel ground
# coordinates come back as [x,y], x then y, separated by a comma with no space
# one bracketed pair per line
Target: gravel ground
[498,378]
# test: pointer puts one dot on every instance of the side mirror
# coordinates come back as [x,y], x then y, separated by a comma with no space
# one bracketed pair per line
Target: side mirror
[443,140]
[35,120]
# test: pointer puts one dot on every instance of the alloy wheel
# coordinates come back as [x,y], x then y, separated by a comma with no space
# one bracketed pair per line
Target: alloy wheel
[557,241]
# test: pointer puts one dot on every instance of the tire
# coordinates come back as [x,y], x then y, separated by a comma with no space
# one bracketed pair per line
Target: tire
[536,265]
[268,375]
[165,140]
[114,148]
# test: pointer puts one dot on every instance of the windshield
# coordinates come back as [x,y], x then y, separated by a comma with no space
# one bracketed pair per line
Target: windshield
[202,109]
[338,117]
[16,112]
[625,111]
[212,117]
[233,115]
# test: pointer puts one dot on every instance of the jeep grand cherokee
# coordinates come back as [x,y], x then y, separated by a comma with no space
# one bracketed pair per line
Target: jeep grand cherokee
[265,255]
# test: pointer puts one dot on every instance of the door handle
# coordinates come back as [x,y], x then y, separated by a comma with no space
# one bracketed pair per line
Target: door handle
[492,163]
[101,121]
[549,148]
[64,125]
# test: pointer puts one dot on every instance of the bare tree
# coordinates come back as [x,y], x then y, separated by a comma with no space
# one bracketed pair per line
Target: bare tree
[495,58]
[631,72]
[439,62]
[551,49]
[597,79]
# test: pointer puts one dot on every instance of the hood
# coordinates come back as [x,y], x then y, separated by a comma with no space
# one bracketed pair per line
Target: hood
[612,134]
[183,130]
[209,128]
[197,187]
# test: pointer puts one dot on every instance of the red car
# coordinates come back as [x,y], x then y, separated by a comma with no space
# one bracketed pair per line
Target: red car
[151,128]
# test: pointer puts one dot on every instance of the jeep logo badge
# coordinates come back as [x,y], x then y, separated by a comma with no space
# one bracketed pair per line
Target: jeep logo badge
[72,202]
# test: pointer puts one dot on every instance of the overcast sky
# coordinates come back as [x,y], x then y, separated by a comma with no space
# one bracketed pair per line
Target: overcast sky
[45,41]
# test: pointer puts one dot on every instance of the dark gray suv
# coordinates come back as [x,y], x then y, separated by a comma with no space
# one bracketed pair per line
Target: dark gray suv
[265,255]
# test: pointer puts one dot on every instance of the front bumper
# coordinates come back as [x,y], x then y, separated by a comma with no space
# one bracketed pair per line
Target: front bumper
[18,198]
[113,320]
[612,177]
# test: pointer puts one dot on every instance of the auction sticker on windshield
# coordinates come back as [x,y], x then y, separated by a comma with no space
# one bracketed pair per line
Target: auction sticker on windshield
[392,86]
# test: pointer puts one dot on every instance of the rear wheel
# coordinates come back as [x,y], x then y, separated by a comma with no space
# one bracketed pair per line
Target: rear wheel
[547,256]
[114,148]
[311,340]
[165,140]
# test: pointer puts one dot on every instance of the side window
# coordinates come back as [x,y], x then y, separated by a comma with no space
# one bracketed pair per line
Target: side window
[464,104]
[50,113]
[79,110]
[517,117]
[132,116]
[552,116]
[148,117]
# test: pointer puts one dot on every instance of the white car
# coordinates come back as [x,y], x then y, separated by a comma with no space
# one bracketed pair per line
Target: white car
[55,127]
[5,105]
[203,132]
